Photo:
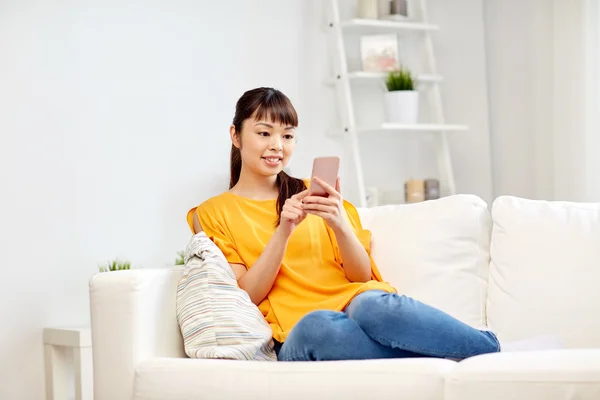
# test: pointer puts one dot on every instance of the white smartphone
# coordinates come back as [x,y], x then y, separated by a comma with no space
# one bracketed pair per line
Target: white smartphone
[327,169]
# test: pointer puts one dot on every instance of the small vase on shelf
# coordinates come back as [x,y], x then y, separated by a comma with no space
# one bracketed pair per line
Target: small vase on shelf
[414,191]
[432,189]
[384,9]
[368,9]
[399,10]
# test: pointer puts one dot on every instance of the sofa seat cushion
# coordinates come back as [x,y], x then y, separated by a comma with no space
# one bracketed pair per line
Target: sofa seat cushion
[193,379]
[548,375]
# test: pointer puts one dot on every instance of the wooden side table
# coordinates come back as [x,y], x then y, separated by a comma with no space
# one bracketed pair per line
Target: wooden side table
[57,341]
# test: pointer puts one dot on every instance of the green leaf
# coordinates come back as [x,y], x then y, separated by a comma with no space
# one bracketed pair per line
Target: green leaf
[114,265]
[180,258]
[400,79]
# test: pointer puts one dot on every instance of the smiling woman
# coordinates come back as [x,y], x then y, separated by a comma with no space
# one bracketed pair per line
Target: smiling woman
[305,260]
[262,142]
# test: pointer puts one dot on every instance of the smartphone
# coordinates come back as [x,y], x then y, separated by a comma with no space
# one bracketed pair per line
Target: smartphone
[327,169]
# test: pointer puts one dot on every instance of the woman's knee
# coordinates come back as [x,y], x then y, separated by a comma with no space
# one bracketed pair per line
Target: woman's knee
[373,307]
[312,335]
[316,326]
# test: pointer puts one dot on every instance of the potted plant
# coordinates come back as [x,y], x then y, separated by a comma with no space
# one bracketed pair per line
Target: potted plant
[114,265]
[401,98]
[180,260]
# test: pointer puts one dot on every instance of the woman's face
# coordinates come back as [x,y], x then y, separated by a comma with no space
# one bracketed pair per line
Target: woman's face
[265,146]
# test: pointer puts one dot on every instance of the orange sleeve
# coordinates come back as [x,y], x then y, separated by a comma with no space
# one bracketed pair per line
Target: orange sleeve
[213,224]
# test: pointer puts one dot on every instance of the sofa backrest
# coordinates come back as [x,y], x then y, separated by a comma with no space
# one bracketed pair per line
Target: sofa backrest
[436,252]
[545,270]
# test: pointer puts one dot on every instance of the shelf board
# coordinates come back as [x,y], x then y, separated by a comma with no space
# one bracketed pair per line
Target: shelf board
[369,26]
[387,127]
[383,75]
[379,77]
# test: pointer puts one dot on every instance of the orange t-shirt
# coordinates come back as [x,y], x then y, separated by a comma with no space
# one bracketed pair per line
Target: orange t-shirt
[311,276]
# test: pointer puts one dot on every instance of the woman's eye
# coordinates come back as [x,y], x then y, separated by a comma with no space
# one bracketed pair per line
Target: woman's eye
[288,137]
[263,133]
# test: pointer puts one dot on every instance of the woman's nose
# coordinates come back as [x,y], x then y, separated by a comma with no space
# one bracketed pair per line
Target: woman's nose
[276,143]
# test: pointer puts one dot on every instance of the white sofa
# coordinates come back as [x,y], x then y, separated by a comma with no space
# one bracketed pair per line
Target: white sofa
[523,269]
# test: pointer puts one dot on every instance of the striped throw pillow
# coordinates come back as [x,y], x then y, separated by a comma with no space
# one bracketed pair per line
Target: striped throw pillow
[216,317]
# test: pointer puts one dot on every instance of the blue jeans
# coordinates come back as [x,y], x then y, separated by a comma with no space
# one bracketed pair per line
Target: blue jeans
[378,324]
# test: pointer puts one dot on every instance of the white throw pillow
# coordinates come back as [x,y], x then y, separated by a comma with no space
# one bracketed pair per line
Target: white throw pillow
[436,252]
[545,270]
[216,317]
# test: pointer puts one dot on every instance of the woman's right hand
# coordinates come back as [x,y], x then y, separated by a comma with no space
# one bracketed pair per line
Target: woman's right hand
[292,214]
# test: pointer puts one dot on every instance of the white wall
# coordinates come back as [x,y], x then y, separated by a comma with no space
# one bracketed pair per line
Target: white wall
[592,110]
[461,57]
[514,51]
[114,122]
[540,81]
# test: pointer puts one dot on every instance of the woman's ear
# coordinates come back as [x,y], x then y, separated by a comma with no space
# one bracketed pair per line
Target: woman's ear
[235,137]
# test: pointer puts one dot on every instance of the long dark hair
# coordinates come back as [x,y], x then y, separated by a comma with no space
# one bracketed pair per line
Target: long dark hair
[264,103]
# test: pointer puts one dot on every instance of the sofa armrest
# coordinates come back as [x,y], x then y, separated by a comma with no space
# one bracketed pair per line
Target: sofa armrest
[133,317]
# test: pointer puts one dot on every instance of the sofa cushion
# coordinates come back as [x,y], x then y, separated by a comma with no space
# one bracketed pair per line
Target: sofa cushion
[548,375]
[183,379]
[435,251]
[217,319]
[545,270]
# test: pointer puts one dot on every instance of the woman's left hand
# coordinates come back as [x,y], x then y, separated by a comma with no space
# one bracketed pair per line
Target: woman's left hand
[330,208]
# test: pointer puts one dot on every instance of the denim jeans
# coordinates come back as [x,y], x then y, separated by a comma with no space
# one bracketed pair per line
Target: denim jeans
[378,324]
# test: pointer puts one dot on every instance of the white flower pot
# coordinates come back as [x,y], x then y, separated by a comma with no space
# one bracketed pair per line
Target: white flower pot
[402,106]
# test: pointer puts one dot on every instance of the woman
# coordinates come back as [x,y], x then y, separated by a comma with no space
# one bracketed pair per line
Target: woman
[304,260]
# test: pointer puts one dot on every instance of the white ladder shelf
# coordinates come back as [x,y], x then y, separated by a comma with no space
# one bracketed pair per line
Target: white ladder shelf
[343,80]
